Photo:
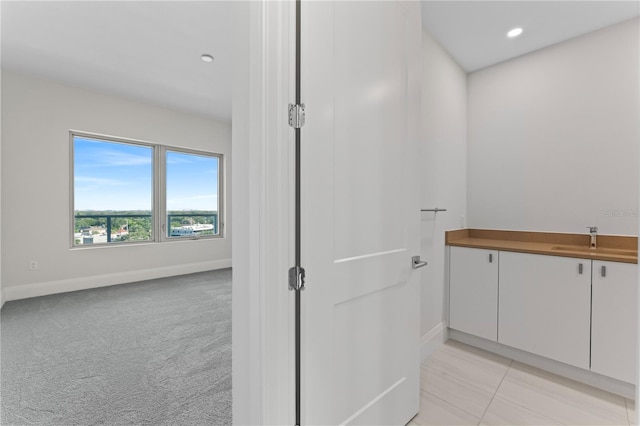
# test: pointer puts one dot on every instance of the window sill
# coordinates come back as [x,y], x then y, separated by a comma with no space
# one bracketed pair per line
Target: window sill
[145,243]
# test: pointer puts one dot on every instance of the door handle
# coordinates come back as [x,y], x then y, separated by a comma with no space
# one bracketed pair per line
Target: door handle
[417,263]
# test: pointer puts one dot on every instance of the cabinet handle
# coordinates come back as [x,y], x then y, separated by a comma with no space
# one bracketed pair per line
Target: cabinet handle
[580,268]
[490,257]
[603,271]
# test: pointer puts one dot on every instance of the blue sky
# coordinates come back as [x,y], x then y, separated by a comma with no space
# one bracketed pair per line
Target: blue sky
[115,176]
[192,182]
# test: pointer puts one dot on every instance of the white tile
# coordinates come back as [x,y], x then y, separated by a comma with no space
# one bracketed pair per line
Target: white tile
[434,411]
[455,391]
[481,368]
[463,376]
[503,412]
[561,399]
[631,411]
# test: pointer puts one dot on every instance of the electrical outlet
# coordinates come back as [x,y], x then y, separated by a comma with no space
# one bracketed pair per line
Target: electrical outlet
[33,265]
[462,222]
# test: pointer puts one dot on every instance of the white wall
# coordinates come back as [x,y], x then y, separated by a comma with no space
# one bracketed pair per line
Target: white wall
[443,172]
[246,362]
[36,118]
[1,292]
[553,137]
[263,350]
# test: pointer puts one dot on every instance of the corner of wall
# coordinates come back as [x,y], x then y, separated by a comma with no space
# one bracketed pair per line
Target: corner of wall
[432,341]
[443,179]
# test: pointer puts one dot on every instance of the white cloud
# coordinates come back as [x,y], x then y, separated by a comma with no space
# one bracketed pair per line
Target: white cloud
[114,158]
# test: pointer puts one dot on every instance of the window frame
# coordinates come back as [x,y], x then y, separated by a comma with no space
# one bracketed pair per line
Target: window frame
[159,189]
[164,226]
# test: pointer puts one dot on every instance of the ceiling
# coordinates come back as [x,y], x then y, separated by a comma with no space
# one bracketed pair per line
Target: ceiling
[150,50]
[474,32]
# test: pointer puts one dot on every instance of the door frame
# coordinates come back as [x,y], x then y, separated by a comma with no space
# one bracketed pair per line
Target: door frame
[263,213]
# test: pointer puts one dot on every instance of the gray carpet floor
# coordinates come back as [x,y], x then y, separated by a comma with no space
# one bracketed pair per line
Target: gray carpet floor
[150,353]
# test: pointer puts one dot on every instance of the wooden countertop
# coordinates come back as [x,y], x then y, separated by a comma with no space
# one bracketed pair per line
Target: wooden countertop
[609,247]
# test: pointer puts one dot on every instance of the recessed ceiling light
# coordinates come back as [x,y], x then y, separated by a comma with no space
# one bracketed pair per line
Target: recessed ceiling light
[207,58]
[514,32]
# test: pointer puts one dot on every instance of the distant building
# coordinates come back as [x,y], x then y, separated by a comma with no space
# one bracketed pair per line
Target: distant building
[191,230]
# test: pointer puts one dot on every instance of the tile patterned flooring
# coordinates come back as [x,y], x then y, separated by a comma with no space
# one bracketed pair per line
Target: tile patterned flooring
[463,385]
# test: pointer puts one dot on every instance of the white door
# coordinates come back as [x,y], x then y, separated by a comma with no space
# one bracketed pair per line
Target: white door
[360,212]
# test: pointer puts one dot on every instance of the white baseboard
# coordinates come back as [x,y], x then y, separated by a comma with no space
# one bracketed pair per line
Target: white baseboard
[608,384]
[432,340]
[62,286]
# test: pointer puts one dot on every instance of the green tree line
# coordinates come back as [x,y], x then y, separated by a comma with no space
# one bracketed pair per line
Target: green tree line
[140,225]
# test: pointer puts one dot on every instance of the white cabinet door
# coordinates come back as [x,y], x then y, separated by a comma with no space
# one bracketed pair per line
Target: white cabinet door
[544,306]
[473,291]
[614,320]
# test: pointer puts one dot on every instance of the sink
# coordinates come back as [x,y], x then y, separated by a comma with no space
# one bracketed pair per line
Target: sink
[599,250]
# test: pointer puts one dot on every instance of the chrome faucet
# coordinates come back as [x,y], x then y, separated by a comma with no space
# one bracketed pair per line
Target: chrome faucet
[593,230]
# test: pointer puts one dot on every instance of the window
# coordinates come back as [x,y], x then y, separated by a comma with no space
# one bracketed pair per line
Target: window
[128,191]
[192,194]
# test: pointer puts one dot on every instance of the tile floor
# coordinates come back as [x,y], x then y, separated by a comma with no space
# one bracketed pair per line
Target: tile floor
[463,385]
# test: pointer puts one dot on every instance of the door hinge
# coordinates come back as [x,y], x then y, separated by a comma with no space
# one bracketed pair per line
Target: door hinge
[296,278]
[296,115]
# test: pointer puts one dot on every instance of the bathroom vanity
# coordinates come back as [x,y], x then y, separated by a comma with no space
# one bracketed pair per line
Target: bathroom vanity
[548,294]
